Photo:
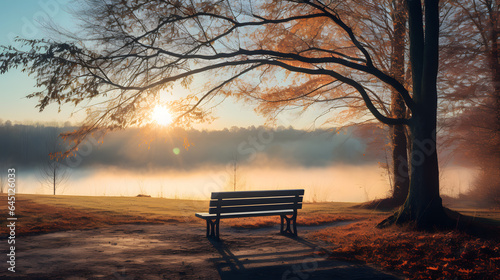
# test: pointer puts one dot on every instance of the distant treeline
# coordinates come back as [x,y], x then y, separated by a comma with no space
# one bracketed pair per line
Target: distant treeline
[28,146]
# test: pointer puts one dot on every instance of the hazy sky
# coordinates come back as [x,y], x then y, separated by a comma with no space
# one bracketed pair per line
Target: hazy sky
[24,18]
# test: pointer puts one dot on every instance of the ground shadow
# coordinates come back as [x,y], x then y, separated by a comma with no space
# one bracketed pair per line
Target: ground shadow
[301,260]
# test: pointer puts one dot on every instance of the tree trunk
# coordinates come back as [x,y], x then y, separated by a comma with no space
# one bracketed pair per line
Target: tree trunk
[423,206]
[401,179]
[54,179]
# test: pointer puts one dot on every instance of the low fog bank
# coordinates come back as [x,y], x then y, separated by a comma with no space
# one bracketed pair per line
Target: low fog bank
[341,183]
[331,165]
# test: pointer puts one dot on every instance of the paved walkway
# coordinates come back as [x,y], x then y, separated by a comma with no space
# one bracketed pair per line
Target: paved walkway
[130,252]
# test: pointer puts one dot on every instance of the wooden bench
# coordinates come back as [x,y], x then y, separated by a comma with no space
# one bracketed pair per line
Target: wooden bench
[240,204]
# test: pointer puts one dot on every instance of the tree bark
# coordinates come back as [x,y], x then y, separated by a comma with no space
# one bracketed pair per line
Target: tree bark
[423,206]
[401,179]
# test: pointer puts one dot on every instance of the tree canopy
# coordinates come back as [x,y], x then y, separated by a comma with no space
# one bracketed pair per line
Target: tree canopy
[278,53]
[295,53]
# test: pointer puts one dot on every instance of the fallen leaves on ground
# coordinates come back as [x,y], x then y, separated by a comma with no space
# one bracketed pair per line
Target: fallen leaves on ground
[417,255]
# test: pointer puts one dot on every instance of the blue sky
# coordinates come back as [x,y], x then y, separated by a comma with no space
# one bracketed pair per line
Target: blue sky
[23,18]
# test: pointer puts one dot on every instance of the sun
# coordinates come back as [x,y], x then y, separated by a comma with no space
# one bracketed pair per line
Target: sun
[162,116]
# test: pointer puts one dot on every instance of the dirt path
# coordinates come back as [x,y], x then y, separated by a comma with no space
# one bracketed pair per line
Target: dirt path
[132,252]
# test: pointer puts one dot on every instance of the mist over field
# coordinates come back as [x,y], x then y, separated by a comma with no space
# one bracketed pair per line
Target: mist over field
[343,165]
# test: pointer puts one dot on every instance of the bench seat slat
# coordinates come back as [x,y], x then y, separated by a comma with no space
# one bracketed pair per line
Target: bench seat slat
[269,193]
[245,214]
[214,210]
[253,201]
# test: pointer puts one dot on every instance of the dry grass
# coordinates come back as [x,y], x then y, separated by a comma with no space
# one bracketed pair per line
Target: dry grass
[46,213]
[133,206]
[40,214]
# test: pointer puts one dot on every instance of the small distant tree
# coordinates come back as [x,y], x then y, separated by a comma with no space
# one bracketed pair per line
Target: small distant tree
[53,172]
[235,168]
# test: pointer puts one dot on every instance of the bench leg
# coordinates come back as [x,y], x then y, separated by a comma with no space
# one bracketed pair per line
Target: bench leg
[217,229]
[213,228]
[295,225]
[291,224]
[282,224]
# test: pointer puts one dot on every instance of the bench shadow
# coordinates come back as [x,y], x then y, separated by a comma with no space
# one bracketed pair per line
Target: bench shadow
[311,262]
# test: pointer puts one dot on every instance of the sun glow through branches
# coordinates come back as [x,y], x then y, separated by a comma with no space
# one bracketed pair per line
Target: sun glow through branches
[162,116]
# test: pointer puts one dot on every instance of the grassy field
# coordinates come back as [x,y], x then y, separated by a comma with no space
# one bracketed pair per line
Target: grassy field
[46,213]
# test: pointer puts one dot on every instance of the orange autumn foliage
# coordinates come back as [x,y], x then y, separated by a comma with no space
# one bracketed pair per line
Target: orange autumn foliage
[417,255]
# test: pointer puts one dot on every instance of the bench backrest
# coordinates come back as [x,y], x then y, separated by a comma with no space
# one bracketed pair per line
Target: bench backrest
[254,201]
